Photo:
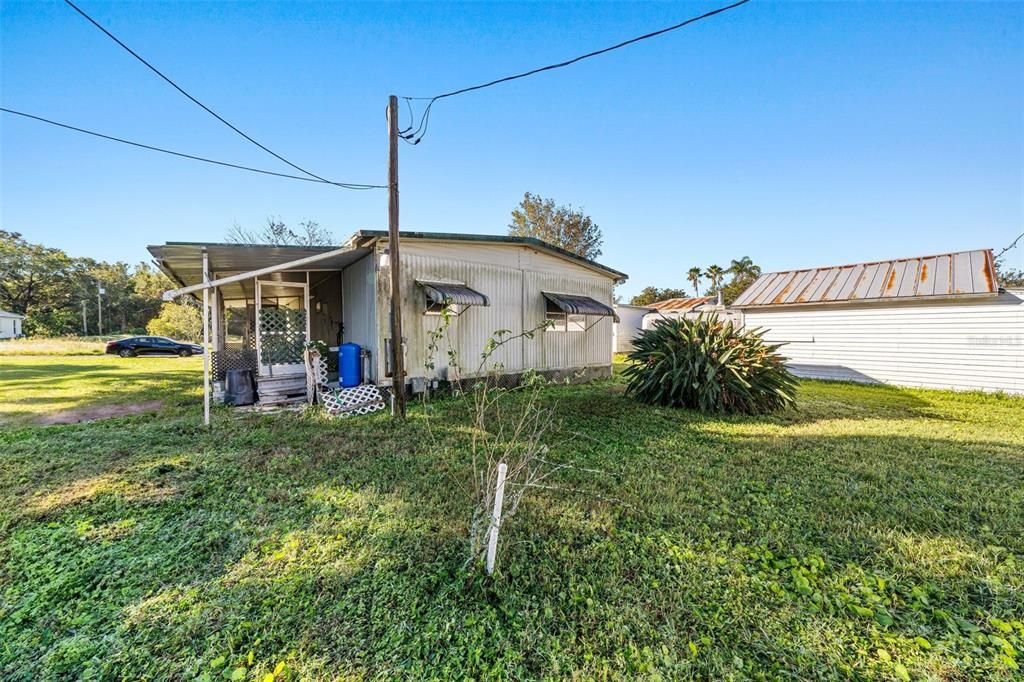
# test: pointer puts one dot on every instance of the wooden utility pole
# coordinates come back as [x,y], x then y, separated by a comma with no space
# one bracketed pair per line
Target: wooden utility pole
[397,355]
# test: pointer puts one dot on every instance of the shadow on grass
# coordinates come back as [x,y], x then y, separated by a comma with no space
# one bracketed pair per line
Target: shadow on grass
[155,547]
[34,392]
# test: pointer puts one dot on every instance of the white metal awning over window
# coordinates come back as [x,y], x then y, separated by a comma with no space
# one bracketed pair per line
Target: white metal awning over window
[577,304]
[451,293]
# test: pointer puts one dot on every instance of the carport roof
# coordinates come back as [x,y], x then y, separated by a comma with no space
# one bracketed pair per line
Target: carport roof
[183,262]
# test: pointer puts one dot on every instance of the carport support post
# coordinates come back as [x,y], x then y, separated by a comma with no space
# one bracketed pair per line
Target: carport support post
[397,357]
[206,340]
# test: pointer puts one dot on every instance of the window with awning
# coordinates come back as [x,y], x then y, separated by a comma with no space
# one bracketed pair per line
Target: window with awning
[570,312]
[454,294]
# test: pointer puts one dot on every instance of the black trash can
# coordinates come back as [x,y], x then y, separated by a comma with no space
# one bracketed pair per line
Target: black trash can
[239,387]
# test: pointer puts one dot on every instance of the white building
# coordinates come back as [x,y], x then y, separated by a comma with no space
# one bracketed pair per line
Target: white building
[10,325]
[290,295]
[676,308]
[630,322]
[935,321]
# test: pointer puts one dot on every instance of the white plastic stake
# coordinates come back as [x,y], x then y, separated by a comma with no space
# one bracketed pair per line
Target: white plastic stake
[499,498]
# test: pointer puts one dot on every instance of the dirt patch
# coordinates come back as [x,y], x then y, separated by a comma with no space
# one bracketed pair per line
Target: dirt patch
[92,413]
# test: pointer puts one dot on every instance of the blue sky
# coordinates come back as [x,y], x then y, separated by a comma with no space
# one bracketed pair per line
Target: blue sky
[798,134]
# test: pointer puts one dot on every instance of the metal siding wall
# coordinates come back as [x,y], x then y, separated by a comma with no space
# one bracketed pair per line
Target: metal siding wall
[565,350]
[508,276]
[358,312]
[966,345]
[470,331]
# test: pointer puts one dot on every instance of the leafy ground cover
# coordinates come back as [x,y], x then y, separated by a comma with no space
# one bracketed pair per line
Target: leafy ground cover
[874,533]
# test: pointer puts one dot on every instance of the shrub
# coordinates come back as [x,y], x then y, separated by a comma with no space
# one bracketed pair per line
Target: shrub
[178,321]
[710,365]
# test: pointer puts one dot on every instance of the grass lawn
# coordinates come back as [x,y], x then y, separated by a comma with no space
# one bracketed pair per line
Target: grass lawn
[44,389]
[875,533]
[61,345]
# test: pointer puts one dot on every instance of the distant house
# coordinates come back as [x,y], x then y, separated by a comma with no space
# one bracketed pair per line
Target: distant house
[674,308]
[10,325]
[630,322]
[633,318]
[289,295]
[934,321]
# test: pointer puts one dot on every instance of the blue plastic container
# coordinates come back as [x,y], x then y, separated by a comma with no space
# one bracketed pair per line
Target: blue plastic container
[349,367]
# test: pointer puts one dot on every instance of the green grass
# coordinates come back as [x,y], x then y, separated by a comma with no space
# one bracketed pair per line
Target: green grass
[875,533]
[60,345]
[40,387]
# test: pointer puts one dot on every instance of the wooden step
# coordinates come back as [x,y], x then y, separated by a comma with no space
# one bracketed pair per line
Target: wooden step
[287,380]
[269,400]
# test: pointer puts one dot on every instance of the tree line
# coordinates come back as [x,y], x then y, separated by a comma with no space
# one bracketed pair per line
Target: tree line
[52,288]
[731,281]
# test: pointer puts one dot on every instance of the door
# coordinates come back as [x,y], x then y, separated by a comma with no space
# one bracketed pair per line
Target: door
[282,327]
[164,346]
[143,345]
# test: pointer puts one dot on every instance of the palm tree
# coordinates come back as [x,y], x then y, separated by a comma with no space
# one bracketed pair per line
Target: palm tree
[694,275]
[743,267]
[714,273]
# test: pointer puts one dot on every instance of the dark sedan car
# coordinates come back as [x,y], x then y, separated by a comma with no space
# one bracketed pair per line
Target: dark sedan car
[152,345]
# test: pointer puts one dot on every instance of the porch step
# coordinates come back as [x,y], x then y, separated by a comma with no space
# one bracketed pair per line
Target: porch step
[276,400]
[281,390]
[285,380]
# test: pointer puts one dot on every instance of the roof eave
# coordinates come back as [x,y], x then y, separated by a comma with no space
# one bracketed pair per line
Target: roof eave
[375,235]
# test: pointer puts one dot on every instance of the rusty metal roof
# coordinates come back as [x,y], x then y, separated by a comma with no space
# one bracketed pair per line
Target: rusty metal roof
[680,304]
[964,273]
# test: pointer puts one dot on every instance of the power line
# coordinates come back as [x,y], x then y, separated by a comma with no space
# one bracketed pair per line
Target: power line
[417,135]
[1012,244]
[345,185]
[186,94]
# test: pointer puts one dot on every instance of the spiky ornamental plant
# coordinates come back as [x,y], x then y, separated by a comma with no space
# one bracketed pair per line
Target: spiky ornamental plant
[710,365]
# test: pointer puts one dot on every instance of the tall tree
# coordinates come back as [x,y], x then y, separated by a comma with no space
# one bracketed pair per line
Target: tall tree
[49,287]
[715,274]
[562,226]
[694,275]
[275,231]
[744,273]
[36,281]
[743,268]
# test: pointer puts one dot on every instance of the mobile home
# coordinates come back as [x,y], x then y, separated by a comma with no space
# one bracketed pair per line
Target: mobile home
[280,297]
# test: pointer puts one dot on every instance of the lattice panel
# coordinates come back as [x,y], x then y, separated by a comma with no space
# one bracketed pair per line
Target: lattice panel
[321,371]
[231,358]
[344,402]
[282,335]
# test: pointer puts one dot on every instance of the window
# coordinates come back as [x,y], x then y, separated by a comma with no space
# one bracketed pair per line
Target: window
[559,321]
[571,312]
[434,309]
